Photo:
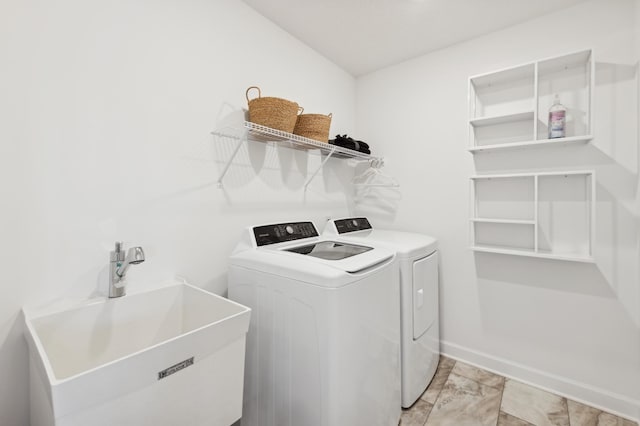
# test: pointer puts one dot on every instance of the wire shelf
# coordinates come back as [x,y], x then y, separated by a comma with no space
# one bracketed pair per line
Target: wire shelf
[259,133]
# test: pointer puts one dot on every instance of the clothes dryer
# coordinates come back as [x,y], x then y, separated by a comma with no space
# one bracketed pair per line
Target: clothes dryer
[418,278]
[323,346]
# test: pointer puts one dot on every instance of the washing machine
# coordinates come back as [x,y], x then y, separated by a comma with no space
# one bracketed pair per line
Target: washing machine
[323,346]
[418,277]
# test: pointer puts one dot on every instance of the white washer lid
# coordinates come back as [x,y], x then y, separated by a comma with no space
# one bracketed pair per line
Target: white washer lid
[312,270]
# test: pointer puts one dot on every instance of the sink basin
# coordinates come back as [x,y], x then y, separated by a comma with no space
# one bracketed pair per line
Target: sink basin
[174,355]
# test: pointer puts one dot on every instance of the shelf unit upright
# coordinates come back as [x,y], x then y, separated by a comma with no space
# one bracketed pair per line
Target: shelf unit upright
[546,215]
[508,108]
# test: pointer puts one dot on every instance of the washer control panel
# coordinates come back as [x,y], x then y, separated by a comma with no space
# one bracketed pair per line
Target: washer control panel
[281,232]
[352,224]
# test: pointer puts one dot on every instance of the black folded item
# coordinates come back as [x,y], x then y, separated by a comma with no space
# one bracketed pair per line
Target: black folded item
[350,143]
[348,140]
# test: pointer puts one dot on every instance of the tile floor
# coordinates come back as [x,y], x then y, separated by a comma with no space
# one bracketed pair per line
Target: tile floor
[462,395]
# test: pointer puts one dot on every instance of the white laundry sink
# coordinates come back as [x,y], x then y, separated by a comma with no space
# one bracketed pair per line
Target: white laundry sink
[174,355]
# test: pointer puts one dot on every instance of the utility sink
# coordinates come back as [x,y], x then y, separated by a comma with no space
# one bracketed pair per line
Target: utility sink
[170,356]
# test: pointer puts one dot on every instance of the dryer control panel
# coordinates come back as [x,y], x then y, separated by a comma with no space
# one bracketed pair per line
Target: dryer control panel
[281,232]
[352,224]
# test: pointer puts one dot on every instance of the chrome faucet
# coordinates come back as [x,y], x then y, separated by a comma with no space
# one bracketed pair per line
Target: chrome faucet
[119,264]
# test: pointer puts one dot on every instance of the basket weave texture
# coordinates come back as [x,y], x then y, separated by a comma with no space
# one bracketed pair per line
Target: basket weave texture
[313,126]
[276,113]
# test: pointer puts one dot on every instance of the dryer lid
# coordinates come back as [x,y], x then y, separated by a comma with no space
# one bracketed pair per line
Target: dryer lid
[360,230]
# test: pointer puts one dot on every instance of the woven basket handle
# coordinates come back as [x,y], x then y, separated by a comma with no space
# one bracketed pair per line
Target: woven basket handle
[253,87]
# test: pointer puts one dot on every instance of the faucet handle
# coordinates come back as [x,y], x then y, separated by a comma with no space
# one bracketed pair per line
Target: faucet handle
[119,246]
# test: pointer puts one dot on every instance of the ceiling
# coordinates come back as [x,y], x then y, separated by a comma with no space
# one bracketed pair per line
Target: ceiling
[362,36]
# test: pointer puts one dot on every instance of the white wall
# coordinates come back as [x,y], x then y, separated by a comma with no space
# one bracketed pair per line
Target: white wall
[572,328]
[106,112]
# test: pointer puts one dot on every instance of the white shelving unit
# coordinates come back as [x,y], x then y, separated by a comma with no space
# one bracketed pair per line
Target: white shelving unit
[548,215]
[508,108]
[248,131]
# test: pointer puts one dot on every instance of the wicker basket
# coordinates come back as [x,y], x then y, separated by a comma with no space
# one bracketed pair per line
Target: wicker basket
[313,126]
[276,113]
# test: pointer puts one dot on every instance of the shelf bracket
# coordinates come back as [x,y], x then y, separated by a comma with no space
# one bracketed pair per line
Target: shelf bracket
[226,167]
[318,169]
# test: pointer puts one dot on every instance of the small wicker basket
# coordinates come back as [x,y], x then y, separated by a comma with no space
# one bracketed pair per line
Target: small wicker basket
[276,113]
[313,126]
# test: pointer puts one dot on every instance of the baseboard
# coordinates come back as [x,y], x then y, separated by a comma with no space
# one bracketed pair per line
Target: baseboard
[602,399]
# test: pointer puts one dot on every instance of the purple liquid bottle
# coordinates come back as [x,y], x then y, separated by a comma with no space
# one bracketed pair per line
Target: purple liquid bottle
[557,119]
